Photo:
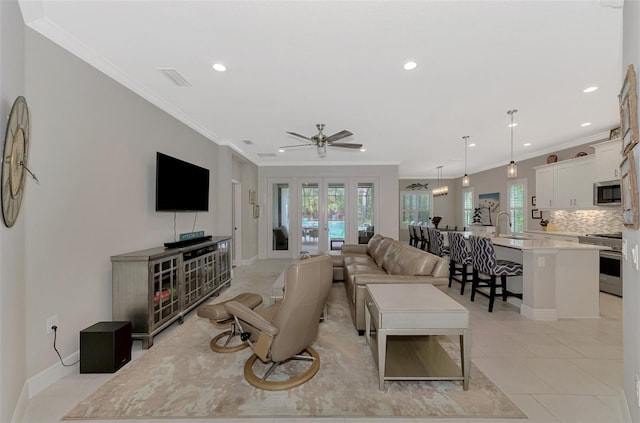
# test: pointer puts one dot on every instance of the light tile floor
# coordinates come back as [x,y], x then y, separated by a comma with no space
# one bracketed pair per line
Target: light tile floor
[563,371]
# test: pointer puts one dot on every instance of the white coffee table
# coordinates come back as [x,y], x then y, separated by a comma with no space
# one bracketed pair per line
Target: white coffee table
[403,316]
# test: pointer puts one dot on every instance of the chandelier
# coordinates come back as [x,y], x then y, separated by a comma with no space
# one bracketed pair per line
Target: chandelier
[440,190]
[512,169]
[465,178]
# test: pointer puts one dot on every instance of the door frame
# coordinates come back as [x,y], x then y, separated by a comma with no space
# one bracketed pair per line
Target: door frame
[236,223]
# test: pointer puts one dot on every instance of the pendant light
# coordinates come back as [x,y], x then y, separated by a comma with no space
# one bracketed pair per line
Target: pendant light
[465,178]
[440,190]
[512,169]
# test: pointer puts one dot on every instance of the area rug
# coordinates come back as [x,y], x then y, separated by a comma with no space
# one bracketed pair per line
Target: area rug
[180,377]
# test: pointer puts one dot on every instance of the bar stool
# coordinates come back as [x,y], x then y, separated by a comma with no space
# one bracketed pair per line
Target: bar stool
[459,259]
[413,236]
[424,238]
[436,243]
[483,259]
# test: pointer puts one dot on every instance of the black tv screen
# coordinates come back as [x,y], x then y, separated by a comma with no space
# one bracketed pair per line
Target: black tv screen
[180,186]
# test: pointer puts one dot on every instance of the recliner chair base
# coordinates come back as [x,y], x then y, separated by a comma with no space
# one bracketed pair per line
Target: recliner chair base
[258,382]
[225,347]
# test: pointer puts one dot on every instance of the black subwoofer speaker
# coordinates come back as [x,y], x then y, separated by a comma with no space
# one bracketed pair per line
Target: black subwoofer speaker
[105,347]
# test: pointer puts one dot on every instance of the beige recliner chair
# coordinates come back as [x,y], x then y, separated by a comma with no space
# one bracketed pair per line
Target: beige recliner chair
[285,330]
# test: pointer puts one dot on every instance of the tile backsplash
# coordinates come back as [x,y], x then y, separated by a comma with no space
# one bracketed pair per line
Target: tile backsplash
[588,221]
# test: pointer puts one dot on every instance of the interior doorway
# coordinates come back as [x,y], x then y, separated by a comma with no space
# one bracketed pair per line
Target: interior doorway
[236,223]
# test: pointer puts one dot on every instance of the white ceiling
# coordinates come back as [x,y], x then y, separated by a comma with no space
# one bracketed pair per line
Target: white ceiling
[293,64]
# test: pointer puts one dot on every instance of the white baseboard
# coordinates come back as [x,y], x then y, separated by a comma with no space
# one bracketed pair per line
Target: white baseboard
[538,313]
[21,405]
[248,262]
[52,374]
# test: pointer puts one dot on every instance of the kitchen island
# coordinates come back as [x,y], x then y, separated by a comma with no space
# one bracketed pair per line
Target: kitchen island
[560,278]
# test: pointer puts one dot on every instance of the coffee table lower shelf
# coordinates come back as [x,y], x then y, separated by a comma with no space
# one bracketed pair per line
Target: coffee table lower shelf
[416,358]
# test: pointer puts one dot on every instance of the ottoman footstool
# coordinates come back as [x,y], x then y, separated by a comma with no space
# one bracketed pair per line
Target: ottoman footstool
[218,316]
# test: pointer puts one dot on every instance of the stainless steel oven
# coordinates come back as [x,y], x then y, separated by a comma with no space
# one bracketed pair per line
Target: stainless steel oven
[610,261]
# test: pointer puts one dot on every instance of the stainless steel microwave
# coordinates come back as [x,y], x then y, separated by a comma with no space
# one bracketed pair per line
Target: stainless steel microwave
[606,193]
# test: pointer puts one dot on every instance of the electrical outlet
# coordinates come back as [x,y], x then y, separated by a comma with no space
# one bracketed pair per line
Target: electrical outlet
[51,321]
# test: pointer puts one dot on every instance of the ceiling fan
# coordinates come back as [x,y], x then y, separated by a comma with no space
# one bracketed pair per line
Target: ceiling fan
[321,141]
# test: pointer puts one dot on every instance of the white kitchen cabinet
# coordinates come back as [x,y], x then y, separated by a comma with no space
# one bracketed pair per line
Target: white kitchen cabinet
[566,185]
[544,187]
[608,160]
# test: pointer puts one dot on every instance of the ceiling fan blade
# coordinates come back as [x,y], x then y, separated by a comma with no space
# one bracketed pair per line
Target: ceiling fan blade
[296,145]
[300,136]
[338,136]
[345,145]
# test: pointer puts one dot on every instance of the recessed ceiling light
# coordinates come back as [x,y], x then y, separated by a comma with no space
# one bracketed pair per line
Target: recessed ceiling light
[411,65]
[219,67]
[589,89]
[472,145]
[512,125]
[526,144]
[585,124]
[281,150]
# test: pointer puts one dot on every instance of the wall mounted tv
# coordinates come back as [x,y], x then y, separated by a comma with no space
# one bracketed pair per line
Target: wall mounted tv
[180,186]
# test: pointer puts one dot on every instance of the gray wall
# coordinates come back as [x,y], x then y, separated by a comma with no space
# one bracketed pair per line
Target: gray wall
[12,240]
[631,293]
[93,145]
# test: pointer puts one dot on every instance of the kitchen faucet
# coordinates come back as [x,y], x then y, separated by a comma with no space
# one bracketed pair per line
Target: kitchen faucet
[503,213]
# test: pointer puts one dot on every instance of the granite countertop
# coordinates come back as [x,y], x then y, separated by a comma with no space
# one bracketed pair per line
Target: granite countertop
[563,233]
[543,244]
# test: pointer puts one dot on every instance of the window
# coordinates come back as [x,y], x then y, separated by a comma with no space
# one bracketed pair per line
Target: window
[467,207]
[366,227]
[416,207]
[517,204]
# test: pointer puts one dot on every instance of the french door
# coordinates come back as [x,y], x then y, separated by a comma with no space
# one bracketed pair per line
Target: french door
[322,214]
[318,214]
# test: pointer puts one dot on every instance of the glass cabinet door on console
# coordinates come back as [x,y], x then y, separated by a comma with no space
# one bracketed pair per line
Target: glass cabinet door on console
[164,276]
[223,260]
[199,276]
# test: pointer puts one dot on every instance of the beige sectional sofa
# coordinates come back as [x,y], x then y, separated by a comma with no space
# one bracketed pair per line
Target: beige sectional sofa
[385,260]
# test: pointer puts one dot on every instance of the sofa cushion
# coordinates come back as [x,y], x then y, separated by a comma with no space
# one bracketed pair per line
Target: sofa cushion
[358,260]
[407,260]
[352,270]
[380,249]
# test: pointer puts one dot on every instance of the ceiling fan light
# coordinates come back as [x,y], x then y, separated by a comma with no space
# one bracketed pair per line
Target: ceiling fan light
[363,149]
[322,150]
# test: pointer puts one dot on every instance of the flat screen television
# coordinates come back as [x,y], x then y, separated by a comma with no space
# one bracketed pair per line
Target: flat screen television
[180,186]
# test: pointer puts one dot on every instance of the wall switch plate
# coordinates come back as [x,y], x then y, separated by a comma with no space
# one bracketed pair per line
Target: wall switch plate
[51,321]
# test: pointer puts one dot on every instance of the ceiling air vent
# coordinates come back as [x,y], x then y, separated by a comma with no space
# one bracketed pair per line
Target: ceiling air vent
[175,77]
[248,142]
[267,155]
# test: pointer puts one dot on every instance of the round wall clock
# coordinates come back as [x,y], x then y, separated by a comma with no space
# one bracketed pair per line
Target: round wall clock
[16,147]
